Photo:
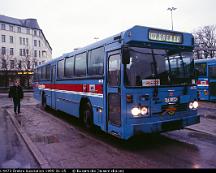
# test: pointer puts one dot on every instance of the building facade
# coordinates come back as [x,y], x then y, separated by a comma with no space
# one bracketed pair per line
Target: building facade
[23,46]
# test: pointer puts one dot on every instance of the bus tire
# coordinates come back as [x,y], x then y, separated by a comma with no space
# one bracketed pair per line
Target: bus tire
[87,116]
[43,102]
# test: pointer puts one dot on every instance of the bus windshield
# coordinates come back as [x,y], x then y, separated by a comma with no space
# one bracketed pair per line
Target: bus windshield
[201,69]
[212,71]
[149,67]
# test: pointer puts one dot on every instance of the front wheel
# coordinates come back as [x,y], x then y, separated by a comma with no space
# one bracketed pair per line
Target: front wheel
[87,117]
[43,102]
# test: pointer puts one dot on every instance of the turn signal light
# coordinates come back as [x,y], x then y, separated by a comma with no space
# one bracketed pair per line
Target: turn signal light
[206,92]
[129,98]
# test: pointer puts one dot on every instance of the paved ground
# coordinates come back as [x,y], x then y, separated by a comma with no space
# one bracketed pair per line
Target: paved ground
[64,147]
[61,143]
[207,114]
[13,152]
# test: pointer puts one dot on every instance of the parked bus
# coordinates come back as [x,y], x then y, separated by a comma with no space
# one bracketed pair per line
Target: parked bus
[206,79]
[138,81]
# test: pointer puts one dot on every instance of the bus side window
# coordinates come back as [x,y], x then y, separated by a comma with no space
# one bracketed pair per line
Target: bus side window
[96,61]
[47,72]
[114,70]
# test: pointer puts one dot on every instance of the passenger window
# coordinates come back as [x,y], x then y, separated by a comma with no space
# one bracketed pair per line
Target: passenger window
[61,69]
[69,67]
[95,61]
[80,65]
[43,73]
[39,73]
[48,72]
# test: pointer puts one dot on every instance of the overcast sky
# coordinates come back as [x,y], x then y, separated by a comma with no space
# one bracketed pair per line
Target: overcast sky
[68,24]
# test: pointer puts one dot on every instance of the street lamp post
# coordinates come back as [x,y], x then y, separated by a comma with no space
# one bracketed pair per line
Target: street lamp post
[171,10]
[96,38]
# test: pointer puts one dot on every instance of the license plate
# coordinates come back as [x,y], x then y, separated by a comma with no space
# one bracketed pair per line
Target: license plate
[171,99]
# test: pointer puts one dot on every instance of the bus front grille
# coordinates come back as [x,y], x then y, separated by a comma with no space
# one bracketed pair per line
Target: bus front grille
[178,107]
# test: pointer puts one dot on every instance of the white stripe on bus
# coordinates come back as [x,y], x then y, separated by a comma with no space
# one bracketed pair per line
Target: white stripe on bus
[75,92]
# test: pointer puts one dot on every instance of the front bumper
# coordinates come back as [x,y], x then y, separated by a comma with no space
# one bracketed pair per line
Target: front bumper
[166,125]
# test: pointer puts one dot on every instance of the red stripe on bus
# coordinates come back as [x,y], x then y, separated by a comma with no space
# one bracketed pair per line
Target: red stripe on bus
[93,88]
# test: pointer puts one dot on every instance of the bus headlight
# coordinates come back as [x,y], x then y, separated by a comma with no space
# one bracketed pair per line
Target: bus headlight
[135,111]
[193,105]
[144,110]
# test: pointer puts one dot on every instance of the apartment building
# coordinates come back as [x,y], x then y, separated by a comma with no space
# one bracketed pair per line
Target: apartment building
[23,46]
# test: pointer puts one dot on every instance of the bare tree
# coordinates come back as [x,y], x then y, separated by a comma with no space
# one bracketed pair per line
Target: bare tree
[6,66]
[28,62]
[205,42]
[34,63]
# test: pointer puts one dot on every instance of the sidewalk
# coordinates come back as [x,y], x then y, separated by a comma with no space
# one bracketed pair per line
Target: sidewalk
[207,110]
[203,104]
[5,90]
[13,152]
[206,125]
[28,100]
[5,94]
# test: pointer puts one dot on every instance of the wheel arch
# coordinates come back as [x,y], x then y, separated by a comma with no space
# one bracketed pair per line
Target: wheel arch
[83,103]
[43,95]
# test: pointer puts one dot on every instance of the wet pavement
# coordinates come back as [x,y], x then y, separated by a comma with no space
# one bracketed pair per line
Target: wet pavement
[65,147]
[13,152]
[207,112]
[63,143]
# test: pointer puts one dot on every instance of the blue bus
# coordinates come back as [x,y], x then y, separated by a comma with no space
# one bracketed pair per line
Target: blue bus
[206,78]
[138,81]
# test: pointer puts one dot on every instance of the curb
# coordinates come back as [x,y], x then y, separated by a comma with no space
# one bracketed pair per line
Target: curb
[32,147]
[211,117]
[207,107]
[202,131]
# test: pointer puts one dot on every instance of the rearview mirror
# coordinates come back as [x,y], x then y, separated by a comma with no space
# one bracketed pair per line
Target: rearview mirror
[125,55]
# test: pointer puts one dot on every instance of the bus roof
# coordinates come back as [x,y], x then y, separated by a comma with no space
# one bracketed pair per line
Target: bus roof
[136,34]
[208,60]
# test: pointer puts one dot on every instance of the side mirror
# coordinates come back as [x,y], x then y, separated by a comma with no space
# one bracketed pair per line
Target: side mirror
[125,55]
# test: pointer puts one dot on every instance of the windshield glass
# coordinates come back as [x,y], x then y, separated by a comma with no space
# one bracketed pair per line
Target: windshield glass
[212,71]
[150,67]
[201,69]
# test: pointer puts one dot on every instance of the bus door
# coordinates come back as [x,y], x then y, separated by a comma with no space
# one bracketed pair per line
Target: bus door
[212,81]
[53,92]
[114,93]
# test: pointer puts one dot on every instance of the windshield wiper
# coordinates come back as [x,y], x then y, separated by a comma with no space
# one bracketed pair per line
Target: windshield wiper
[155,75]
[185,91]
[183,65]
[170,72]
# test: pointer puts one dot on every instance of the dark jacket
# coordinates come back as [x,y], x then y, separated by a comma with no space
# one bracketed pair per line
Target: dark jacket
[16,92]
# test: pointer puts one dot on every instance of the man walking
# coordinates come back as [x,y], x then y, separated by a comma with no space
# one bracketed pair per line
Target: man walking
[16,93]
